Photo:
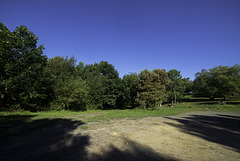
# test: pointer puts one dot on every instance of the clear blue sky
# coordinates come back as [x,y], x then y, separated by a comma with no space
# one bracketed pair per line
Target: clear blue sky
[187,35]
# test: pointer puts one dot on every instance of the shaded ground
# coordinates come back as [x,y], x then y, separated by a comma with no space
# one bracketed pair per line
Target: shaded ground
[192,136]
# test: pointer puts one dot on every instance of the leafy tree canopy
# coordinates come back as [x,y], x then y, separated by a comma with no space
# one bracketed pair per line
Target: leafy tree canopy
[219,81]
[176,85]
[22,63]
[129,95]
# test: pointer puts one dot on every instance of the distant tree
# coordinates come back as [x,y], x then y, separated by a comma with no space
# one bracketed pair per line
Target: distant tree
[176,85]
[129,96]
[104,85]
[220,81]
[151,87]
[73,95]
[22,81]
[188,84]
[70,90]
[112,84]
[95,81]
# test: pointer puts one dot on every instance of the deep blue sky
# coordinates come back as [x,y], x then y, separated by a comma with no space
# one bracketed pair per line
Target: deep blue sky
[187,35]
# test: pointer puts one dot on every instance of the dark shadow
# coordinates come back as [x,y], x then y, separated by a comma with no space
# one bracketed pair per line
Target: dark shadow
[217,103]
[132,152]
[230,116]
[14,124]
[221,129]
[55,140]
[207,103]
[196,100]
[44,139]
[232,103]
[14,119]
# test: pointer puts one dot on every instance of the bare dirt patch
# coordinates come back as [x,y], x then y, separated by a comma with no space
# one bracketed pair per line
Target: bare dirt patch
[192,136]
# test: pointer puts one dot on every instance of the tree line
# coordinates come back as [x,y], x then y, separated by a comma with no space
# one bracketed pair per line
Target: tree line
[31,81]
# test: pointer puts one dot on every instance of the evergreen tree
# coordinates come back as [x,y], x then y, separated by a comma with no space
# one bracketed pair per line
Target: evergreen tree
[151,87]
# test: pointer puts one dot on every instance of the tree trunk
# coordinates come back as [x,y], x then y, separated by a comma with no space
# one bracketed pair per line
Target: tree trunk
[175,97]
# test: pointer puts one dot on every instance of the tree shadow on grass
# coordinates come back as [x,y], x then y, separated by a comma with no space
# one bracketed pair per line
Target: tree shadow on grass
[217,103]
[221,129]
[14,124]
[56,139]
[43,139]
[207,101]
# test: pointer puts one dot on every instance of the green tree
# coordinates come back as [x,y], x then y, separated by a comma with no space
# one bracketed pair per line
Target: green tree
[6,45]
[73,95]
[104,84]
[112,84]
[219,81]
[151,87]
[188,84]
[70,90]
[129,96]
[62,68]
[176,85]
[22,64]
[95,81]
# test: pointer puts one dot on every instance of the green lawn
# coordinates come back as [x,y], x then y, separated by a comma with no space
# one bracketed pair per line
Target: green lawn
[97,115]
[23,119]
[19,122]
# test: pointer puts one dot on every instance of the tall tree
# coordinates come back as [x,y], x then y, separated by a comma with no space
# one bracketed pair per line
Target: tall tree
[95,81]
[22,63]
[176,85]
[104,83]
[129,82]
[151,87]
[219,81]
[73,95]
[6,45]
[112,84]
[70,90]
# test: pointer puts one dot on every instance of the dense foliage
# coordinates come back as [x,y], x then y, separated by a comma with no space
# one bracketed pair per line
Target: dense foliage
[31,81]
[151,88]
[221,81]
[22,78]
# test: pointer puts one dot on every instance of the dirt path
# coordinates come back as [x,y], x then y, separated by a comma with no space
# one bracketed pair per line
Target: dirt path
[193,136]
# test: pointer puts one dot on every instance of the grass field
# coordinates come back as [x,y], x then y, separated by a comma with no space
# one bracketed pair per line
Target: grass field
[97,115]
[17,121]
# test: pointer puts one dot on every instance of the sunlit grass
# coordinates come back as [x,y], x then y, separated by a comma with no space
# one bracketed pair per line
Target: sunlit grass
[42,115]
[98,115]
[117,114]
[178,109]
